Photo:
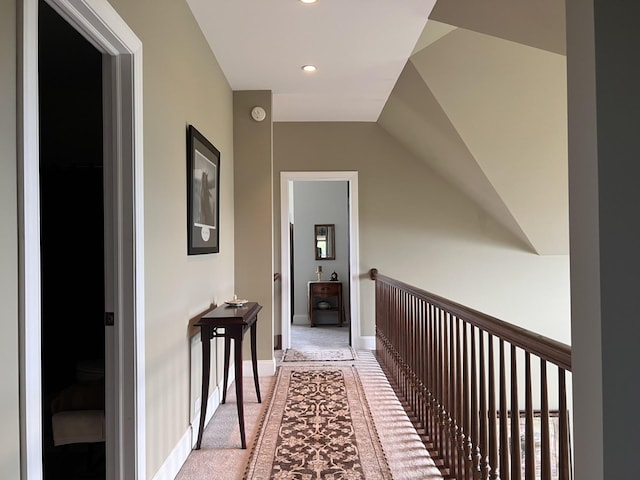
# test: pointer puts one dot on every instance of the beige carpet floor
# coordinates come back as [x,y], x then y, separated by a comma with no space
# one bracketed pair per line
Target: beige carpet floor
[221,457]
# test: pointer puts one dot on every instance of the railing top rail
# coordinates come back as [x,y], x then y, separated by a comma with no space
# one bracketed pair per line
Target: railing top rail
[546,348]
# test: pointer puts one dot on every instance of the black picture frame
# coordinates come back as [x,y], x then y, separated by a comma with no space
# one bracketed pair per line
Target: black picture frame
[203,194]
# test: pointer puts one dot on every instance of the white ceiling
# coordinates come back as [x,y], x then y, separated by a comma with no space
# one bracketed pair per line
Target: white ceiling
[359,46]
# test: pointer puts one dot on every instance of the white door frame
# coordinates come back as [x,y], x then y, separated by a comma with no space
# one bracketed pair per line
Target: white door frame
[286,181]
[101,25]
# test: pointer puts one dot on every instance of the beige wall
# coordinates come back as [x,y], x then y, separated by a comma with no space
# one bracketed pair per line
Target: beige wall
[415,227]
[9,366]
[254,204]
[183,84]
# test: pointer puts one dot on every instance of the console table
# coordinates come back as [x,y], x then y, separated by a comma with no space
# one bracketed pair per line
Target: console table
[229,323]
[323,290]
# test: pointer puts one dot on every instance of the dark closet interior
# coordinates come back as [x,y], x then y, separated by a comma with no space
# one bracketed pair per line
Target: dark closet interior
[72,237]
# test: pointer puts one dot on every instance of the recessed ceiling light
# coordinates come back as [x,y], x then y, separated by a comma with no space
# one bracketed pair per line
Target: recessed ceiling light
[309,68]
[309,2]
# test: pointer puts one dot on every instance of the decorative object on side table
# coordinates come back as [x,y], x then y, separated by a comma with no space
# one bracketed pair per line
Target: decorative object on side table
[334,277]
[324,305]
[236,302]
[203,194]
[319,272]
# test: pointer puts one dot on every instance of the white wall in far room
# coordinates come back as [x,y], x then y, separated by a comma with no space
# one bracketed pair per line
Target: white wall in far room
[323,202]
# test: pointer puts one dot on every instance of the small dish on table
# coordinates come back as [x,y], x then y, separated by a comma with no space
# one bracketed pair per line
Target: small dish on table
[236,302]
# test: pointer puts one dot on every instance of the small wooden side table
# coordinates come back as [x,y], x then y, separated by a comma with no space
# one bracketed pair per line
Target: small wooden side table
[229,323]
[322,289]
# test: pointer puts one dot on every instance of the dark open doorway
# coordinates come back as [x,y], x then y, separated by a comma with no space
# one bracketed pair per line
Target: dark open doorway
[72,250]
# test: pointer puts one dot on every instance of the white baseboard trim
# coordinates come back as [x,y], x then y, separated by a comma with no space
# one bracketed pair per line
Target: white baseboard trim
[187,442]
[366,343]
[212,405]
[174,462]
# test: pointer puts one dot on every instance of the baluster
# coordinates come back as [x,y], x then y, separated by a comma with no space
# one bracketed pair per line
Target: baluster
[474,440]
[423,371]
[411,353]
[387,323]
[439,389]
[485,466]
[445,397]
[391,337]
[429,370]
[377,315]
[424,353]
[564,427]
[544,422]
[381,320]
[459,457]
[435,405]
[418,346]
[465,402]
[442,398]
[444,372]
[453,400]
[408,337]
[393,340]
[407,349]
[399,342]
[412,346]
[434,379]
[387,335]
[493,434]
[529,448]
[503,471]
[516,465]
[414,357]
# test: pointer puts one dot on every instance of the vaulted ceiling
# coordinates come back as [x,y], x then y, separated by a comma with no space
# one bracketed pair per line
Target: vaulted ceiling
[481,98]
[482,101]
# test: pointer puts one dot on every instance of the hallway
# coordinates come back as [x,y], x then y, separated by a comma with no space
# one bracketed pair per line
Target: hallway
[221,458]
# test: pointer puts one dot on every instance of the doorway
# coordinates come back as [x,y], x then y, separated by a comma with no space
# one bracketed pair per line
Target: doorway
[72,251]
[319,220]
[295,314]
[121,62]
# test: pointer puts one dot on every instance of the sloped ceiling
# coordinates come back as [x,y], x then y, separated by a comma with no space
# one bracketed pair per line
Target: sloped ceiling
[483,102]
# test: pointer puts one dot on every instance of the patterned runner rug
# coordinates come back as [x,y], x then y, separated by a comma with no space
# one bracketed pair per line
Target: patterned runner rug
[293,355]
[317,426]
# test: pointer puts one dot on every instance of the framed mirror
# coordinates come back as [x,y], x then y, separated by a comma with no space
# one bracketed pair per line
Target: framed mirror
[324,238]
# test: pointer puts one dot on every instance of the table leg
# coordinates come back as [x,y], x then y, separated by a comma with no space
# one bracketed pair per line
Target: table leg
[311,309]
[254,360]
[237,345]
[205,337]
[227,353]
[340,306]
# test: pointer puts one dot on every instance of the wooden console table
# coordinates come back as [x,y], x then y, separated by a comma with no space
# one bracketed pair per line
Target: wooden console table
[324,290]
[229,323]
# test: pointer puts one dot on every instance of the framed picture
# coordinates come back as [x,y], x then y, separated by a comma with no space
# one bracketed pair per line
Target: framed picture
[203,194]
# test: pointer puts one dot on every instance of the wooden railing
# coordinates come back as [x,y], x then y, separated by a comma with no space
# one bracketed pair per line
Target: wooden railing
[463,374]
